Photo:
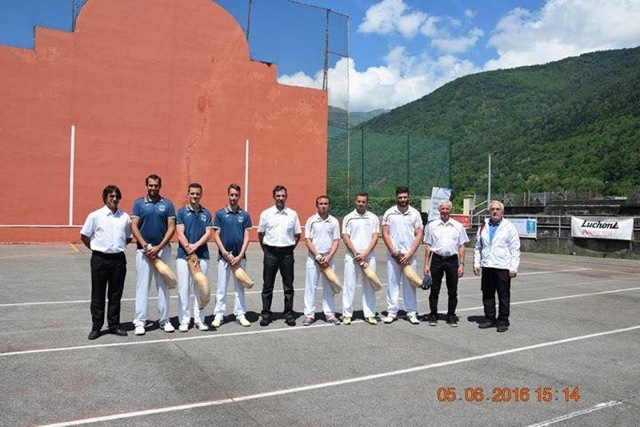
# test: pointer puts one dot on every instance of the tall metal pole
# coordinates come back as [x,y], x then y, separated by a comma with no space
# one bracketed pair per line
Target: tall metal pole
[73,15]
[408,164]
[450,163]
[489,183]
[362,159]
[326,53]
[248,22]
[348,111]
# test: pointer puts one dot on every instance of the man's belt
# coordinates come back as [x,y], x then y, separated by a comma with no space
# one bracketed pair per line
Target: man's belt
[445,258]
[279,248]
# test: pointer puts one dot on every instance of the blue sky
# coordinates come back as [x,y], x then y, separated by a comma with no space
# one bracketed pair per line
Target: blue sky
[399,50]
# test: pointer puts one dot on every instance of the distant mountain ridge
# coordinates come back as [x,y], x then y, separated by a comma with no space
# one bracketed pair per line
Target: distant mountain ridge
[570,125]
[338,117]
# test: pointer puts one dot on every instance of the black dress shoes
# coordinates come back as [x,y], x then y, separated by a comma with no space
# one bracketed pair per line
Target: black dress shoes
[265,320]
[487,324]
[94,335]
[117,331]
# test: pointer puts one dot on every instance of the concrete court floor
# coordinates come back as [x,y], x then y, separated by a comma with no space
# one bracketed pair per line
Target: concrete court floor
[575,325]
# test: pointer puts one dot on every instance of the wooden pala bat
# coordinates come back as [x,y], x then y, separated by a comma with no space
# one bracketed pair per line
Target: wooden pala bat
[413,277]
[333,280]
[200,280]
[167,274]
[243,277]
[371,275]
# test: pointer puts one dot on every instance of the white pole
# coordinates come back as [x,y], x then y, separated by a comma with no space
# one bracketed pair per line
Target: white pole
[71,168]
[489,183]
[246,175]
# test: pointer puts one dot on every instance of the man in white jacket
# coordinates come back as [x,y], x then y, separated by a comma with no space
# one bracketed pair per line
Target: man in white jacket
[497,256]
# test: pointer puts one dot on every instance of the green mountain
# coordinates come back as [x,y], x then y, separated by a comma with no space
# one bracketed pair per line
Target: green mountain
[569,126]
[339,123]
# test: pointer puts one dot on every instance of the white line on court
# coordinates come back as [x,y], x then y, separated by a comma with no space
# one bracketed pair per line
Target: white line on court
[264,331]
[25,304]
[333,383]
[79,301]
[165,340]
[559,298]
[565,417]
[39,255]
[531,273]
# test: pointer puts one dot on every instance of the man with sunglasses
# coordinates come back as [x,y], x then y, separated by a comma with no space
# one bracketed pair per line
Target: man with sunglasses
[107,231]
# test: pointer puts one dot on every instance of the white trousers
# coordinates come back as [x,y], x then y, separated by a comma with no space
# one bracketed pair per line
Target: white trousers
[313,275]
[353,273]
[185,285]
[398,280]
[224,274]
[145,272]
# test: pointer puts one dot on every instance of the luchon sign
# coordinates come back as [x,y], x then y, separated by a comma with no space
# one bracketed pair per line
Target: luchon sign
[596,227]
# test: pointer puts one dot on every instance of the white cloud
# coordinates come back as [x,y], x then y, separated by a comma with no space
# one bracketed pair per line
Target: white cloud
[403,78]
[391,16]
[564,28]
[470,14]
[429,27]
[301,79]
[559,29]
[458,44]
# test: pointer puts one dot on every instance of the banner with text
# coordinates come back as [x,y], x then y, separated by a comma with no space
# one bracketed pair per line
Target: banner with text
[527,227]
[437,195]
[596,227]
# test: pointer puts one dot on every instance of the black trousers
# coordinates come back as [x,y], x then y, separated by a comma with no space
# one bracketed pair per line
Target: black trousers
[441,266]
[107,272]
[277,259]
[496,280]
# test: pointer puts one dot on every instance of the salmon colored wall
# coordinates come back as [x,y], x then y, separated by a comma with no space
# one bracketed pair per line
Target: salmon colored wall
[152,86]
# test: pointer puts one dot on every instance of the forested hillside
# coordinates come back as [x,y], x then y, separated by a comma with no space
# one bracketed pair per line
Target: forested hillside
[567,126]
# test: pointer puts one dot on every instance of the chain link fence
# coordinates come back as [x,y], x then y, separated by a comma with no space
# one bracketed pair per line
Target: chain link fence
[376,163]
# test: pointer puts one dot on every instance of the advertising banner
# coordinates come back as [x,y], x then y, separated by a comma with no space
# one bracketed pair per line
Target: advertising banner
[527,227]
[465,220]
[598,227]
[437,194]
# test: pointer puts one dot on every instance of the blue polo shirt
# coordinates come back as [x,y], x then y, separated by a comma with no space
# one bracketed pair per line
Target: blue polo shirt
[195,225]
[154,217]
[232,226]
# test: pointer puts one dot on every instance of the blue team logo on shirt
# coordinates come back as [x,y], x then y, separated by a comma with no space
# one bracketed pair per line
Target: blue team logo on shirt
[203,218]
[240,219]
[161,208]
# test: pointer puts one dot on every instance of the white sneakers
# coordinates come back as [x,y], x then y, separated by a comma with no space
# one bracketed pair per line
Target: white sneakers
[184,327]
[413,319]
[217,321]
[389,319]
[202,326]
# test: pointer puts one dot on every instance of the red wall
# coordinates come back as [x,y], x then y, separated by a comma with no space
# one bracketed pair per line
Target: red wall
[152,86]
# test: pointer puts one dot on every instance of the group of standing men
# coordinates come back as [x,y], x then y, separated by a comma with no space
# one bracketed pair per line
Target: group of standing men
[153,223]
